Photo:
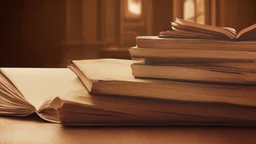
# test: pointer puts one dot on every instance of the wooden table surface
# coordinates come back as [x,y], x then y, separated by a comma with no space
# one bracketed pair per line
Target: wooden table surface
[34,130]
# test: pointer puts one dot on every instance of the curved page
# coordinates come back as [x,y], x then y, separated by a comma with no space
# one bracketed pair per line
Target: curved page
[37,84]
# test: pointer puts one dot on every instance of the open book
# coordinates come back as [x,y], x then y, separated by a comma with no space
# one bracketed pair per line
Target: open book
[23,91]
[57,95]
[191,30]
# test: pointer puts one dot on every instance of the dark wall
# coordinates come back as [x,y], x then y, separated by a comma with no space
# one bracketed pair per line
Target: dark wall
[162,15]
[11,41]
[31,33]
[236,13]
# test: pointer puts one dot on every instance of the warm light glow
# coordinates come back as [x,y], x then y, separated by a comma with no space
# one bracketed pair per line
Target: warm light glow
[189,10]
[134,7]
[200,12]
[194,11]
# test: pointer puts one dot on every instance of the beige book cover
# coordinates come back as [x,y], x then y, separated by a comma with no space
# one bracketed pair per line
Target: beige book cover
[113,76]
[198,70]
[184,53]
[193,44]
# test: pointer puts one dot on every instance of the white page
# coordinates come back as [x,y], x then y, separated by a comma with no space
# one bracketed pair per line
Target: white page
[37,84]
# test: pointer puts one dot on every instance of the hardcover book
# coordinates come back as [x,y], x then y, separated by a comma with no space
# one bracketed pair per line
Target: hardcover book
[114,77]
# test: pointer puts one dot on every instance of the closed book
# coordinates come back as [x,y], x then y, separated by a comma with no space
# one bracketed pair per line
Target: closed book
[181,53]
[114,77]
[211,72]
[199,44]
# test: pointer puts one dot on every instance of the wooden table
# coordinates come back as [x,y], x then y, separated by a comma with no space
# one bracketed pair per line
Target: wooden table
[34,130]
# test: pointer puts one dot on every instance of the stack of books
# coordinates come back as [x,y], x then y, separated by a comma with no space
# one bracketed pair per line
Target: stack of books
[171,81]
[195,52]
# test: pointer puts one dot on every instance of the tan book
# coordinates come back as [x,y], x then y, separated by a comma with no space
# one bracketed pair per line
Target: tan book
[194,44]
[183,53]
[57,95]
[211,72]
[111,76]
[191,30]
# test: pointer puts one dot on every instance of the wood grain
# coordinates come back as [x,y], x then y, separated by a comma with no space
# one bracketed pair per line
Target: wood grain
[34,130]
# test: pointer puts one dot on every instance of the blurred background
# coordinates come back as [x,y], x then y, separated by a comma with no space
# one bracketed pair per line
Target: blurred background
[48,33]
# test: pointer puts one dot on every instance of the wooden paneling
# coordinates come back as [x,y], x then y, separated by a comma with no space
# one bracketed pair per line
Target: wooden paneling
[109,21]
[81,18]
[81,38]
[41,33]
[132,26]
[47,33]
[79,50]
[236,13]
[31,31]
[11,40]
[73,20]
[178,9]
[90,23]
[162,15]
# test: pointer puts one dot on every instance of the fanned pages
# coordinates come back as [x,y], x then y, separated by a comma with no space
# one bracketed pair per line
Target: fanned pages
[12,102]
[25,89]
[111,76]
[191,30]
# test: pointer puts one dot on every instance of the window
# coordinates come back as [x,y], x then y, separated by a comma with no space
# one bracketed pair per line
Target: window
[134,7]
[194,10]
[200,11]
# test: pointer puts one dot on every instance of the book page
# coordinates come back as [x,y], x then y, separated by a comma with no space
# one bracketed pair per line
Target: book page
[247,34]
[184,34]
[37,84]
[205,28]
[229,29]
[186,28]
[87,108]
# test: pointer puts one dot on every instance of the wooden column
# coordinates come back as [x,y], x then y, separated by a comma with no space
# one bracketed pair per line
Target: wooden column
[236,13]
[178,9]
[81,38]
